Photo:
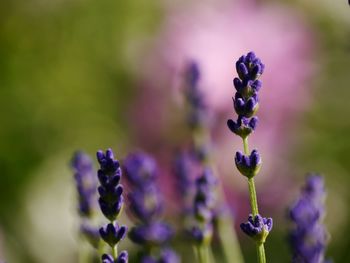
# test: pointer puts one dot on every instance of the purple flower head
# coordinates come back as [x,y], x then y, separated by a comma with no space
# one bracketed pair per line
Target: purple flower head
[145,204]
[309,237]
[246,100]
[249,67]
[243,127]
[112,233]
[194,97]
[182,171]
[91,234]
[122,258]
[85,181]
[140,169]
[250,165]
[111,199]
[156,233]
[108,165]
[257,227]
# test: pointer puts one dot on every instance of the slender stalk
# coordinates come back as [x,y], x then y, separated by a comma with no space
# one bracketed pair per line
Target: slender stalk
[203,254]
[254,205]
[252,196]
[115,251]
[261,252]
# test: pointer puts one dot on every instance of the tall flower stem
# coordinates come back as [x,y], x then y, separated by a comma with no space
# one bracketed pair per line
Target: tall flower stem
[203,254]
[260,249]
[115,251]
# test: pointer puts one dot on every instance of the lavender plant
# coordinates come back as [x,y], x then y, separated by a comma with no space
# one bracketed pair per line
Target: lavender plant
[308,239]
[217,220]
[246,103]
[145,204]
[111,202]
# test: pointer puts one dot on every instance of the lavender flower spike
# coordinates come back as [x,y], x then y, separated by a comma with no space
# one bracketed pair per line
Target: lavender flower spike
[109,174]
[257,227]
[86,183]
[146,206]
[246,104]
[309,237]
[111,201]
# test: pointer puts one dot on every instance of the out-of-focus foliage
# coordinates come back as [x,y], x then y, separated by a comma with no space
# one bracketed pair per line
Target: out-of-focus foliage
[64,83]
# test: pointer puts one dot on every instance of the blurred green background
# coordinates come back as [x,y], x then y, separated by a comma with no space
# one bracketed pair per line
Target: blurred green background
[66,81]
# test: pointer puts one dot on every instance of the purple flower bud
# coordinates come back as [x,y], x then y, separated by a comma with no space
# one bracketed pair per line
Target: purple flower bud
[140,169]
[246,107]
[249,67]
[108,165]
[243,127]
[123,257]
[250,165]
[145,204]
[107,258]
[155,233]
[257,227]
[112,233]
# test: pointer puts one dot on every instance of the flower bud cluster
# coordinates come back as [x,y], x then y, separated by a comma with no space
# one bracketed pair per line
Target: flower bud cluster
[246,103]
[111,202]
[257,227]
[146,206]
[246,100]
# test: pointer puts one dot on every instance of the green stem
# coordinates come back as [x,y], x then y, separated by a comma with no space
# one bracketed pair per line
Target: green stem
[254,205]
[203,254]
[252,196]
[115,251]
[261,252]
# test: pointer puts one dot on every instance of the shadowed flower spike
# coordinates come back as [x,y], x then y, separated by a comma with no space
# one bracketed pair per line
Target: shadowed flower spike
[146,206]
[309,237]
[194,97]
[111,202]
[257,227]
[250,165]
[86,183]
